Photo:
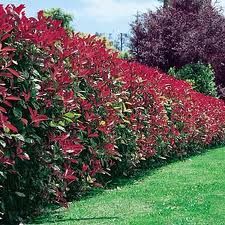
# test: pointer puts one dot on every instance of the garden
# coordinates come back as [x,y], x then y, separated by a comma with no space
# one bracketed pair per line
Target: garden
[90,135]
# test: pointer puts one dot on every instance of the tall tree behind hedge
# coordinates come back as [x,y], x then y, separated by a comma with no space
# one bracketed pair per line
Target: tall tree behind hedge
[173,3]
[59,14]
[190,31]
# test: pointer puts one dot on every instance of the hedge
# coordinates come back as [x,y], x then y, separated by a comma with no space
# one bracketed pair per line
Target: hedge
[72,113]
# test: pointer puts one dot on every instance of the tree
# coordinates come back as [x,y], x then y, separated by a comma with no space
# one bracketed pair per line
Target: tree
[167,3]
[179,35]
[172,3]
[59,14]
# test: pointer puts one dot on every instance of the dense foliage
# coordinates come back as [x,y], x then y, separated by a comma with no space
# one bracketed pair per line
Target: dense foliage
[201,77]
[188,32]
[58,14]
[72,112]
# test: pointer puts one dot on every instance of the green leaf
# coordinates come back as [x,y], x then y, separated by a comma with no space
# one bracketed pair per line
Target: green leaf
[18,136]
[77,115]
[36,138]
[29,140]
[2,174]
[17,113]
[52,124]
[22,195]
[61,123]
[68,119]
[69,115]
[23,104]
[3,143]
[61,128]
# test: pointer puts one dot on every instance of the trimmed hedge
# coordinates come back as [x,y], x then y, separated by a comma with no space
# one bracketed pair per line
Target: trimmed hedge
[71,111]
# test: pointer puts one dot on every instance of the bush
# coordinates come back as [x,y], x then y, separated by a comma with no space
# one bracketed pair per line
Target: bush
[199,75]
[58,14]
[184,34]
[72,113]
[125,55]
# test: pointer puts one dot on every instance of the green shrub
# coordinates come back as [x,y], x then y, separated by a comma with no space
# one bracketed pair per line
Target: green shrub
[58,14]
[125,55]
[200,76]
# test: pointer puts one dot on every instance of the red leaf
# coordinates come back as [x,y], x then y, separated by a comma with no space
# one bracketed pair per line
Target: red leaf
[24,156]
[84,167]
[35,117]
[11,127]
[40,118]
[25,122]
[8,49]
[5,37]
[74,161]
[7,103]
[13,98]
[14,72]
[60,137]
[7,161]
[110,149]
[69,175]
[19,9]
[50,89]
[9,75]
[3,109]
[93,135]
[73,148]
[26,96]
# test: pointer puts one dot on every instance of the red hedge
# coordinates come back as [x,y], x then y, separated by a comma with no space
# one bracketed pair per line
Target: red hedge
[71,111]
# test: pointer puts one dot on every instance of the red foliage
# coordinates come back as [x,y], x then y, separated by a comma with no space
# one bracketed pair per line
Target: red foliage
[189,32]
[87,109]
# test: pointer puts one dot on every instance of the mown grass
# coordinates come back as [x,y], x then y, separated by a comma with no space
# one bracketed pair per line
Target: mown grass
[182,193]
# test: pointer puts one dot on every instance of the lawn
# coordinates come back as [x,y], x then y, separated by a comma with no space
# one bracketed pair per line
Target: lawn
[186,192]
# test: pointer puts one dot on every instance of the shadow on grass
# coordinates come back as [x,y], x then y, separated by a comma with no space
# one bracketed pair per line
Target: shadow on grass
[76,219]
[146,168]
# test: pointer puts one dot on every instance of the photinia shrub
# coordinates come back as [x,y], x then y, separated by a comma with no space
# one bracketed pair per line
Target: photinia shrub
[73,113]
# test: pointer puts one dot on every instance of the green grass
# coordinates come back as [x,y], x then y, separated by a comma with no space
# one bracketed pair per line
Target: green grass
[186,192]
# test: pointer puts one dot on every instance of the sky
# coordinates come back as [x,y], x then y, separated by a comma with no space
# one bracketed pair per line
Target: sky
[91,16]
